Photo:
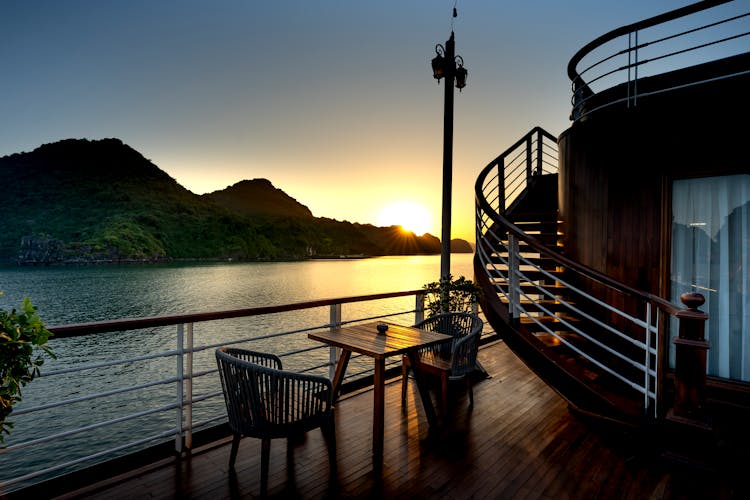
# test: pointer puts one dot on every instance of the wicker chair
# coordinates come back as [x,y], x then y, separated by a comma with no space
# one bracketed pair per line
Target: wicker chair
[451,360]
[264,401]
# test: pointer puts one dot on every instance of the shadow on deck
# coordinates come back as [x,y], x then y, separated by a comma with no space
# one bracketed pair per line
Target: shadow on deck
[519,441]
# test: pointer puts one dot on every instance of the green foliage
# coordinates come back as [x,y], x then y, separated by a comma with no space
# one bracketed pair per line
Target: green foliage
[113,205]
[462,293]
[132,240]
[23,339]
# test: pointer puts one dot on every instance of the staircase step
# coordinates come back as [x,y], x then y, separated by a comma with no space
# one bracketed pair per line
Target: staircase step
[535,306]
[603,383]
[528,224]
[585,345]
[547,334]
[555,288]
[594,331]
[558,365]
[545,238]
[542,261]
[531,275]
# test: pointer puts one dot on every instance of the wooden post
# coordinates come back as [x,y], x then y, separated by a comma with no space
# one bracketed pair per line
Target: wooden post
[419,308]
[445,252]
[690,363]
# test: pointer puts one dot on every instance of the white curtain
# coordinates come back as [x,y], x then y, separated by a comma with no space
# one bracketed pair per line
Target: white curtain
[710,247]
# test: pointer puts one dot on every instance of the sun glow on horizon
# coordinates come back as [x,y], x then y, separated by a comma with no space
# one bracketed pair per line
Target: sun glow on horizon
[410,215]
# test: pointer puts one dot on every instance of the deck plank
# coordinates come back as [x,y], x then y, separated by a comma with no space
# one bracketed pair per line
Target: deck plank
[519,441]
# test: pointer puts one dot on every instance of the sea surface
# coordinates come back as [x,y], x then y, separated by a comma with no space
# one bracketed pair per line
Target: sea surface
[68,295]
[71,294]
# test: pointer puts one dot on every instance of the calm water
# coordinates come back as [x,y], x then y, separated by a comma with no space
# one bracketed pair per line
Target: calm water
[65,295]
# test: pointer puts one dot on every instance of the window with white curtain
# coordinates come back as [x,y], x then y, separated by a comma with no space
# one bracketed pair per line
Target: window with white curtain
[710,255]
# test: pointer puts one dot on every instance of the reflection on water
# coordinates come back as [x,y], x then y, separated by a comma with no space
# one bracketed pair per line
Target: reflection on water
[66,295]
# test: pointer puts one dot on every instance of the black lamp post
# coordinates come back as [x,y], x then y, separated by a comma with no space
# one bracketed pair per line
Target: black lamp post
[446,64]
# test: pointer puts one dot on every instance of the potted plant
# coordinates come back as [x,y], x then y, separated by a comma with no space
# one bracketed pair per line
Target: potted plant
[461,294]
[23,340]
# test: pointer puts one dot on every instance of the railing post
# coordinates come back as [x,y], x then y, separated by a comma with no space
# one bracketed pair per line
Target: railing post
[577,100]
[419,308]
[635,80]
[180,379]
[528,160]
[581,93]
[501,186]
[333,352]
[690,362]
[630,67]
[632,64]
[539,139]
[513,295]
[650,366]
[189,388]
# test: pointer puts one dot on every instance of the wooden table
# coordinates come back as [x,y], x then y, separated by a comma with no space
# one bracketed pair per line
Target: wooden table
[366,340]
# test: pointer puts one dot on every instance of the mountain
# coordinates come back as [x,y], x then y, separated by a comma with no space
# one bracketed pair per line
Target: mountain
[460,246]
[83,201]
[258,197]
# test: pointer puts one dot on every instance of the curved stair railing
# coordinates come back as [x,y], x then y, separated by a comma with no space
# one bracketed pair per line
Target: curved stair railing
[601,344]
[596,341]
[532,156]
[626,57]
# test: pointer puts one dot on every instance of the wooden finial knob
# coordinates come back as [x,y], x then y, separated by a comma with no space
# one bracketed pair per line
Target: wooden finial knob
[692,300]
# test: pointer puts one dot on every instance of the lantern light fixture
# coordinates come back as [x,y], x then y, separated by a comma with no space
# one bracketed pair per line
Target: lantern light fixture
[441,68]
[461,74]
[438,63]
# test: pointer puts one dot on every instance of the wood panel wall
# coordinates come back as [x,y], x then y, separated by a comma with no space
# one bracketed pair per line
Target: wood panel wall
[616,168]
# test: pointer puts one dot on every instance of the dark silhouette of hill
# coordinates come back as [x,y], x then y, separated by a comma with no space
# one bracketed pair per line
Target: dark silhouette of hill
[82,201]
[460,246]
[258,197]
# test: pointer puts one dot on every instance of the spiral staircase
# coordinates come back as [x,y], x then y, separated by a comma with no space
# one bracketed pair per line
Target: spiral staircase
[534,297]
[601,344]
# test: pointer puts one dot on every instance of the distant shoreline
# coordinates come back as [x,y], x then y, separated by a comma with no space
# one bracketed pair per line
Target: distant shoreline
[168,260]
[340,257]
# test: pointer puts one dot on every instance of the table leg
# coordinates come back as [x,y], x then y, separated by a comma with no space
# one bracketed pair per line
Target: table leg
[338,377]
[378,416]
[424,394]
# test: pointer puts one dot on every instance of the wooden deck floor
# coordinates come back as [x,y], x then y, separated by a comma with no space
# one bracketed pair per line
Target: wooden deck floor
[519,441]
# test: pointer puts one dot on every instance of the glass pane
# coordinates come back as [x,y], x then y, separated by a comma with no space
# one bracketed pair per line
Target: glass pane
[710,237]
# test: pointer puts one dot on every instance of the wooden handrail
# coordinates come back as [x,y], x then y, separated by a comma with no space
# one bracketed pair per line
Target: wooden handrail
[75,330]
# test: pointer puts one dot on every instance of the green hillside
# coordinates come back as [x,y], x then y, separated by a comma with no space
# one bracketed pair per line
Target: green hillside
[101,201]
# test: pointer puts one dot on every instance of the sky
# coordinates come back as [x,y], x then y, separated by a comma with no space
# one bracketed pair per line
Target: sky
[333,101]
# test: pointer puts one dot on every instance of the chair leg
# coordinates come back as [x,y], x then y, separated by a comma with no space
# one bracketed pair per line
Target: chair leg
[444,384]
[470,388]
[233,453]
[404,379]
[290,441]
[265,454]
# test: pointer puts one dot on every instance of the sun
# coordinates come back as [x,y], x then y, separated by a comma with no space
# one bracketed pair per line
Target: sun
[410,215]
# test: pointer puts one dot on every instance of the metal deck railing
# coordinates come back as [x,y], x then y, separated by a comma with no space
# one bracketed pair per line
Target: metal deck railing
[121,386]
[694,34]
